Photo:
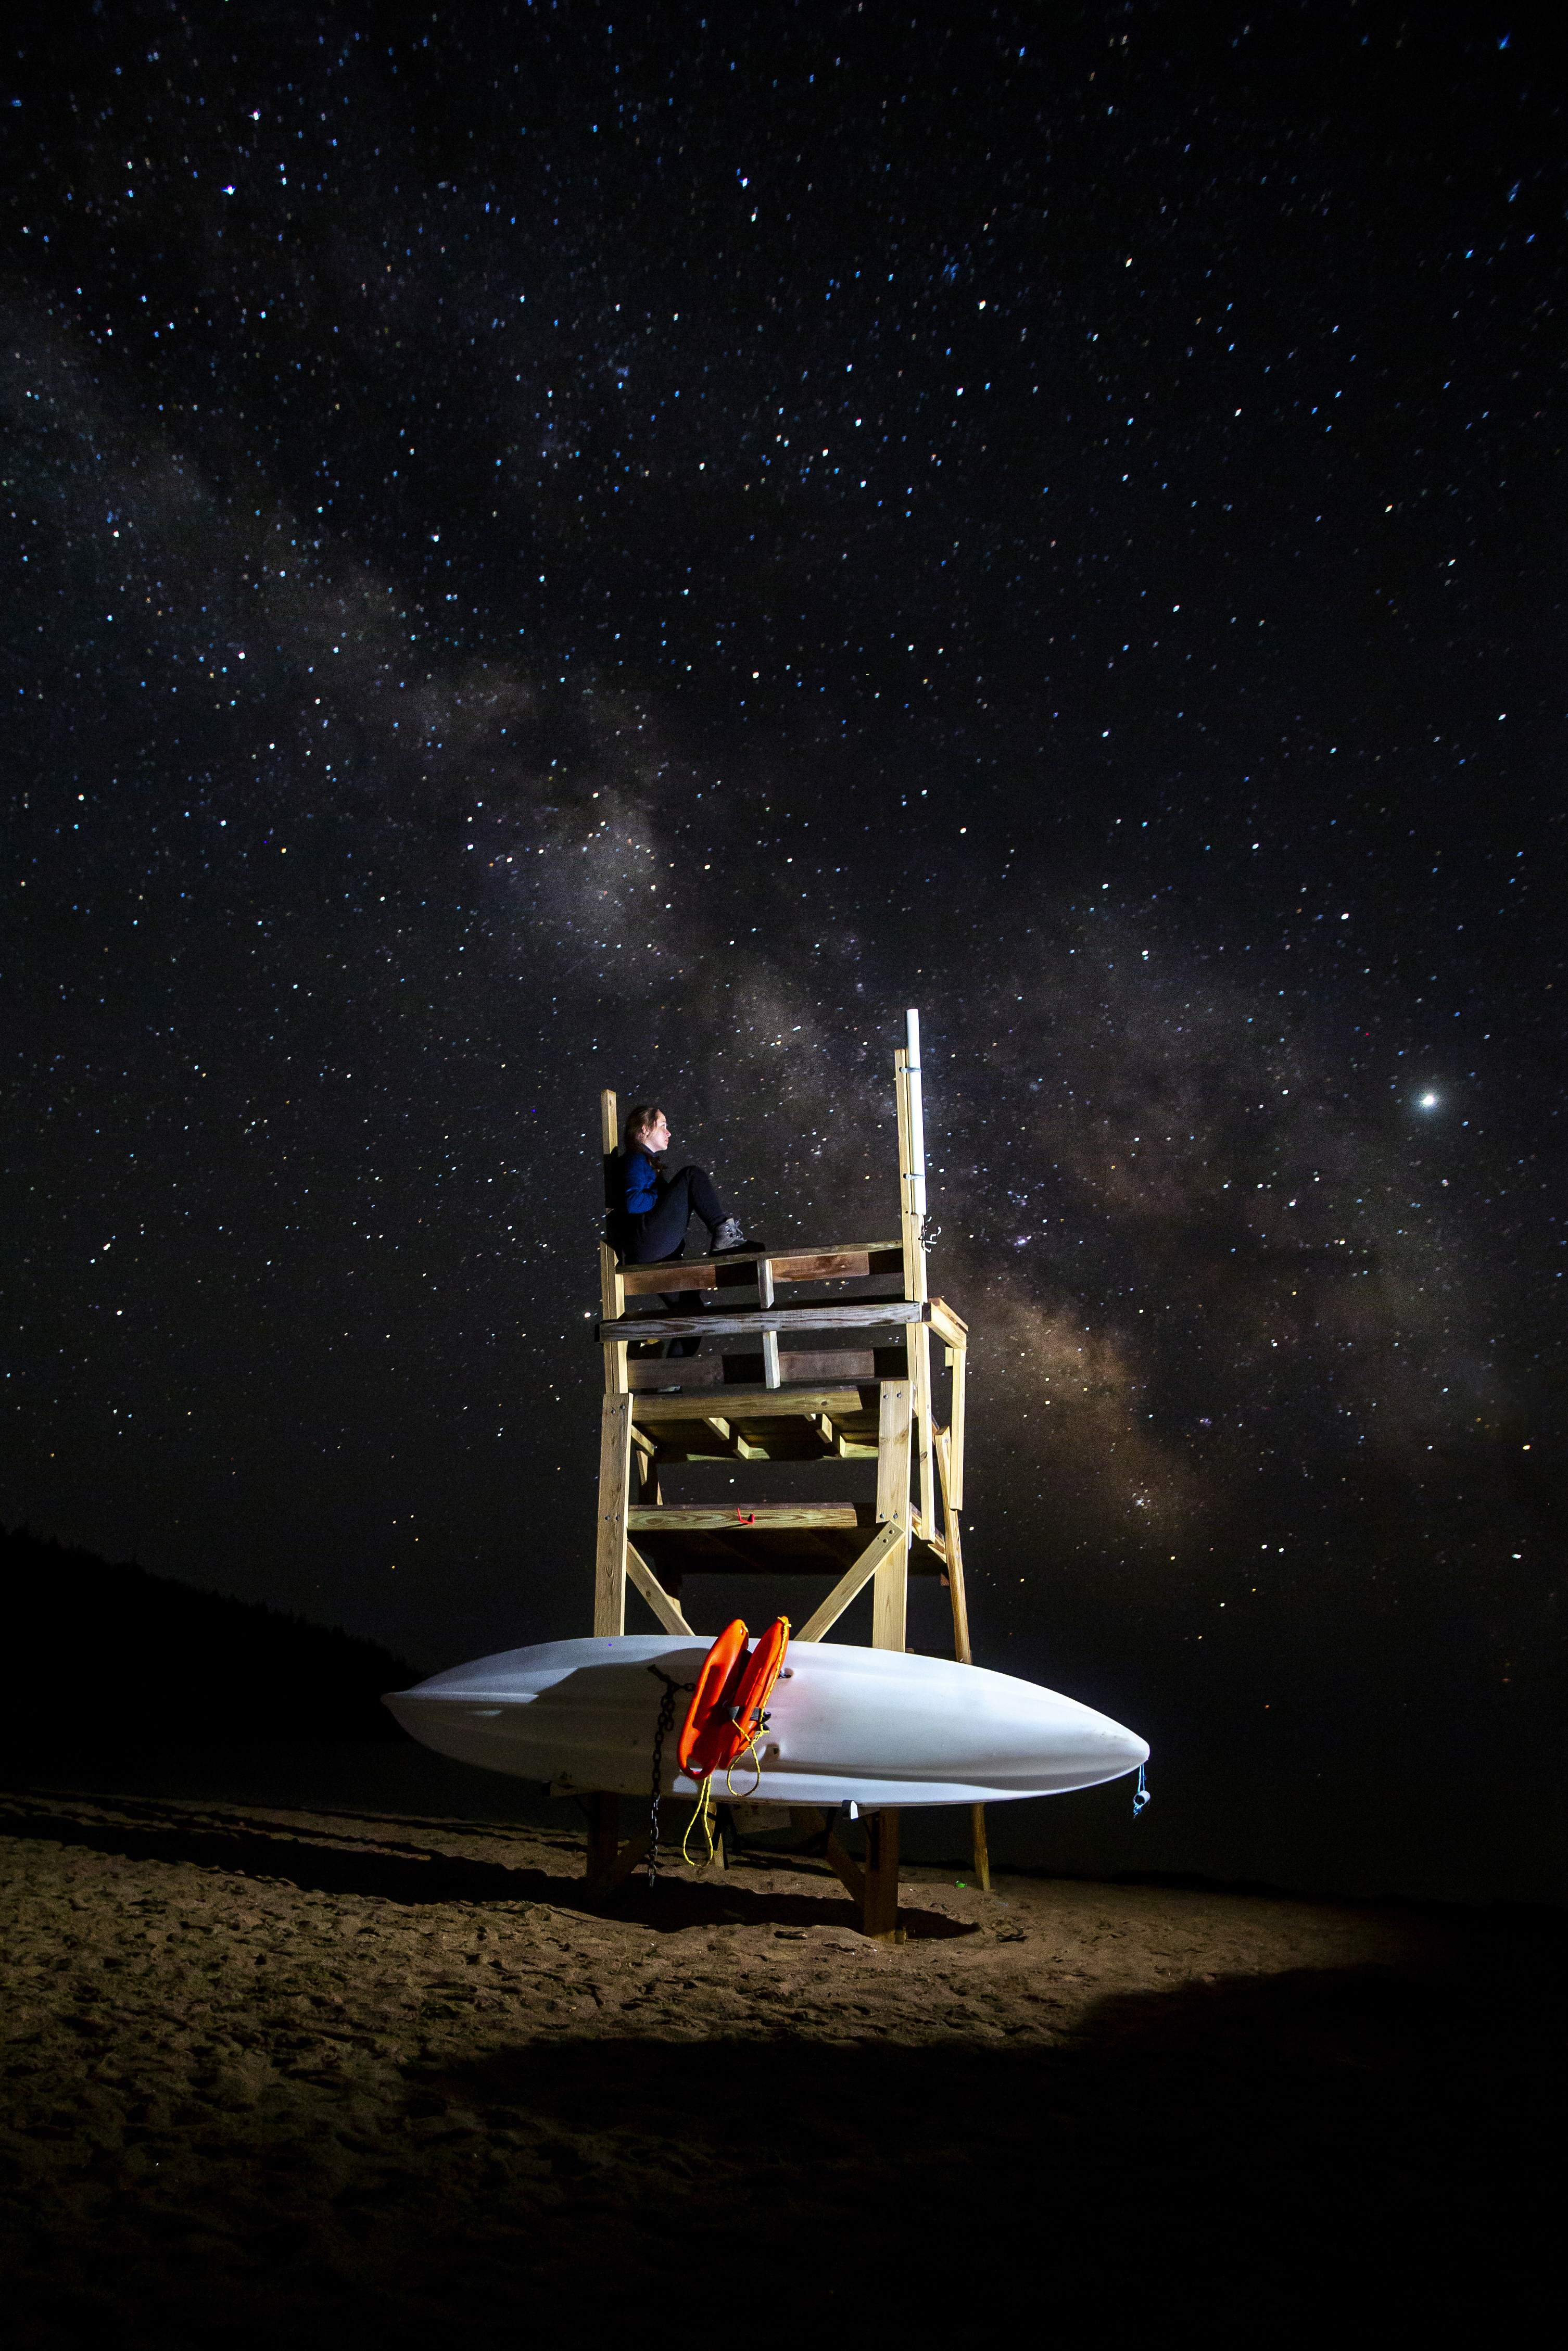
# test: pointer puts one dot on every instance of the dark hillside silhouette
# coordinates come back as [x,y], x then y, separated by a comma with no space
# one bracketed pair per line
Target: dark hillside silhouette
[106,1655]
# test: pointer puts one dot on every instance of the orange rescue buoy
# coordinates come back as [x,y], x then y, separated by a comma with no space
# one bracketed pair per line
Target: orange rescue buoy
[715,1694]
[733,1720]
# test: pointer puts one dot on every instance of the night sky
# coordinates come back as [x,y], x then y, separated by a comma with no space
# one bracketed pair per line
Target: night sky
[548,549]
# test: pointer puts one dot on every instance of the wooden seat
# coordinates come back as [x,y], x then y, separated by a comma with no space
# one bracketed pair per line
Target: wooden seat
[737,1269]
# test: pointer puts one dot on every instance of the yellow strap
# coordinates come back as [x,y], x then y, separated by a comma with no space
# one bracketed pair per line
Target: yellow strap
[705,1814]
[749,1748]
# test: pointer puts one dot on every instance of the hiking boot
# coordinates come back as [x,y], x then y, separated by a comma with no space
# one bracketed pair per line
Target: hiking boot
[728,1236]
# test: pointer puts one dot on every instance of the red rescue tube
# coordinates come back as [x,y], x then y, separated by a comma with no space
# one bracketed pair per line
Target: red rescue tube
[756,1682]
[714,1694]
[731,1726]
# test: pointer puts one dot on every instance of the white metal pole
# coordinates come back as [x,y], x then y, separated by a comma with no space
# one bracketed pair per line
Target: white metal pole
[916,1117]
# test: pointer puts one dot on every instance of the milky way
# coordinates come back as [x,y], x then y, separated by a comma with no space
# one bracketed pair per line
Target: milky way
[548,554]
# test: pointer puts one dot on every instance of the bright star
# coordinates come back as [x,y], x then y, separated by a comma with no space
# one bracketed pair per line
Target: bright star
[1428,1102]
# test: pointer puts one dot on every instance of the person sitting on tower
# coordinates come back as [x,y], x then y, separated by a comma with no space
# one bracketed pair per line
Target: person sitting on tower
[650,1211]
[653,1209]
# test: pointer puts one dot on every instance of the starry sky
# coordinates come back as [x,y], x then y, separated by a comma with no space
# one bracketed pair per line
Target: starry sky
[549,548]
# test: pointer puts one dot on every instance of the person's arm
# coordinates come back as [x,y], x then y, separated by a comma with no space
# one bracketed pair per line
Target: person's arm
[641,1183]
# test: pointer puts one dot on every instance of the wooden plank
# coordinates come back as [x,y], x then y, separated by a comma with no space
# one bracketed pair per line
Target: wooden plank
[801,1252]
[673,1273]
[615,1479]
[955,1500]
[886,1540]
[632,1856]
[946,1325]
[654,1592]
[769,1338]
[834,1365]
[683,1518]
[771,1440]
[917,1344]
[673,1377]
[955,1548]
[890,1600]
[822,1552]
[612,1306]
[612,1296]
[961,1648]
[914,1241]
[833,1261]
[878,1917]
[853,1314]
[893,1452]
[846,1869]
[758,1404]
[822,1265]
[982,1847]
[656,1374]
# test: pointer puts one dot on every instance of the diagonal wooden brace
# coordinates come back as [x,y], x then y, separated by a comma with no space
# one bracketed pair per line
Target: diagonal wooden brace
[884,1543]
[654,1592]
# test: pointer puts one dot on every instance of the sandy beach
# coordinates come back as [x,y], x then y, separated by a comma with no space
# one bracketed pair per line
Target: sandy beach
[354,2077]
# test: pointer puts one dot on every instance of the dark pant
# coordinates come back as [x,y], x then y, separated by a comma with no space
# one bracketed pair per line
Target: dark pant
[660,1231]
[659,1235]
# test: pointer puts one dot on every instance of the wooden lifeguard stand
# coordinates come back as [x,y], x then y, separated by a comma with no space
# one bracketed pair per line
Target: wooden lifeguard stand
[845,1374]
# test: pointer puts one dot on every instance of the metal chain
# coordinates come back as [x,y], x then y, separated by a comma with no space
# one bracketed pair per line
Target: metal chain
[665,1724]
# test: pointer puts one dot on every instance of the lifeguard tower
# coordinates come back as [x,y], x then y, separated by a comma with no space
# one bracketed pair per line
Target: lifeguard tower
[842,1372]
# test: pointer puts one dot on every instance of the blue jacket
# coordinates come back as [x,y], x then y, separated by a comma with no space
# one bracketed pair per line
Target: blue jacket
[639,1179]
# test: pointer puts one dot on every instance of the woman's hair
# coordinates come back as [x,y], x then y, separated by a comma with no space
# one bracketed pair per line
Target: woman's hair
[640,1116]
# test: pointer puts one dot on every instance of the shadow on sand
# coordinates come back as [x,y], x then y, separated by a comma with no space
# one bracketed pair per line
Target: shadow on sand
[1313,2150]
[395,1870]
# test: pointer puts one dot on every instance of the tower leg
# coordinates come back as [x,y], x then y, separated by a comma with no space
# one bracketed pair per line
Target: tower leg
[982,1849]
[890,1590]
[614,1484]
[879,1912]
[961,1649]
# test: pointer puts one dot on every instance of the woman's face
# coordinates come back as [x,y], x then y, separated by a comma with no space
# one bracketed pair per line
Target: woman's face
[657,1136]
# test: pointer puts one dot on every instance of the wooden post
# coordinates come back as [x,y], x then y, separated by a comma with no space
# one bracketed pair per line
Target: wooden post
[954,1548]
[879,1913]
[918,1337]
[960,1362]
[769,1338]
[614,1481]
[961,1648]
[981,1845]
[611,1289]
[891,1585]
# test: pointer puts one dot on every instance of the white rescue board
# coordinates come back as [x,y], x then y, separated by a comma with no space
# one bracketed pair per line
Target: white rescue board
[870,1727]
